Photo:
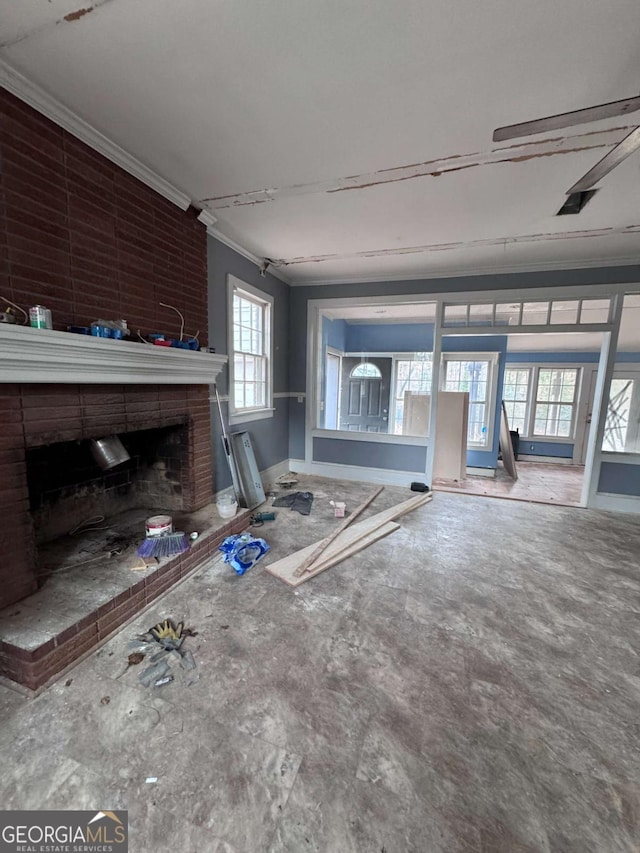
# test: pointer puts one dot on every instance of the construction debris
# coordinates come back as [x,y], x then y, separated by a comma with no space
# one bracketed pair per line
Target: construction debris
[307,564]
[163,645]
[242,551]
[287,480]
[296,501]
[345,544]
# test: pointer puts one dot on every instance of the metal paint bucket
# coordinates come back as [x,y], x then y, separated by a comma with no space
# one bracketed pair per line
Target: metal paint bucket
[158,525]
[109,452]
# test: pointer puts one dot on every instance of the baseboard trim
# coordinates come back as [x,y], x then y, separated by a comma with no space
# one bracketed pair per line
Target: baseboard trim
[490,473]
[616,503]
[556,460]
[355,472]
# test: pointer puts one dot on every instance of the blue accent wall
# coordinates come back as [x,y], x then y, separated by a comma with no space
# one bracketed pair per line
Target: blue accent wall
[619,478]
[553,357]
[562,450]
[370,454]
[334,334]
[389,337]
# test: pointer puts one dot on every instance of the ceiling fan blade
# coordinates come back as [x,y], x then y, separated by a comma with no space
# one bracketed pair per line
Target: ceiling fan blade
[542,125]
[622,150]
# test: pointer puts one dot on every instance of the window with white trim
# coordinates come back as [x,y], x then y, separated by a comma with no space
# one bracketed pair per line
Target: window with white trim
[476,375]
[250,363]
[516,397]
[411,376]
[542,400]
[555,402]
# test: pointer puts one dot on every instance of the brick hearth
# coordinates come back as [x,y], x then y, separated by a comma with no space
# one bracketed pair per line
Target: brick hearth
[83,237]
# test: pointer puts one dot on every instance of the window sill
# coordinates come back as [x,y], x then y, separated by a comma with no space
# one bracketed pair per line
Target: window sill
[248,416]
[377,437]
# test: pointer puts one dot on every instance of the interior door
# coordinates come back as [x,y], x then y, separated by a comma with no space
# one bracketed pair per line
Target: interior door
[364,401]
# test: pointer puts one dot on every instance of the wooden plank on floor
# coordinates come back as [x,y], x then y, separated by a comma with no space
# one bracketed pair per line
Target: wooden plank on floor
[287,573]
[286,567]
[315,556]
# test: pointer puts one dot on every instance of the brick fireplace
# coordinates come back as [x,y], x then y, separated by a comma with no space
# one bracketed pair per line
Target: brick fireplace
[83,237]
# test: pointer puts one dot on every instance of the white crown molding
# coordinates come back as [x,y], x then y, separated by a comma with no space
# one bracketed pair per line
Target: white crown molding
[47,356]
[474,273]
[49,106]
[207,219]
[232,244]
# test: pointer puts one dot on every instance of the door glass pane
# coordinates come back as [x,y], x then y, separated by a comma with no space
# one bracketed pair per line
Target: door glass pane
[622,426]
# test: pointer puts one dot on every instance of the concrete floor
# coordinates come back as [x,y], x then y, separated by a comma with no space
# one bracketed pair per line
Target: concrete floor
[470,683]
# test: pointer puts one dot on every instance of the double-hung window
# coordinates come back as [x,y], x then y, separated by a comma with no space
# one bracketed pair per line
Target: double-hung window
[541,401]
[555,402]
[475,374]
[250,364]
[412,376]
[515,394]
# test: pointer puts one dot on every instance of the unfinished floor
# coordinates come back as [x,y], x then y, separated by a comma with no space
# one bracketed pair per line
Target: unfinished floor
[539,482]
[470,683]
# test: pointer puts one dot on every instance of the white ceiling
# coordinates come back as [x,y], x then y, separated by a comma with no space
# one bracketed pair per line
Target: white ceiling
[292,120]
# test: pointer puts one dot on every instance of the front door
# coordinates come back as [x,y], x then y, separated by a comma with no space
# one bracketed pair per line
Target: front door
[364,402]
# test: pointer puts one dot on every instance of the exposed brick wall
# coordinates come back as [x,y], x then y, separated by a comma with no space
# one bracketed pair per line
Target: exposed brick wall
[83,237]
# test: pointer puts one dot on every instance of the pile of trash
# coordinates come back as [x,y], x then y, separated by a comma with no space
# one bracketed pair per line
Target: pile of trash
[162,647]
[242,551]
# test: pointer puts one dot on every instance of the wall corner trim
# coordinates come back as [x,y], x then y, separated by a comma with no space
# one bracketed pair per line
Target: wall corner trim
[53,109]
[207,219]
[228,241]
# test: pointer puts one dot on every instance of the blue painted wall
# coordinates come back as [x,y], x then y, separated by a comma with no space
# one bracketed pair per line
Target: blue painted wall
[553,357]
[269,437]
[389,337]
[370,454]
[334,334]
[619,478]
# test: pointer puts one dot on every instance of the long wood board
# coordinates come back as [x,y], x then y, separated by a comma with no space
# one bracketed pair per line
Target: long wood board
[315,556]
[285,568]
[287,573]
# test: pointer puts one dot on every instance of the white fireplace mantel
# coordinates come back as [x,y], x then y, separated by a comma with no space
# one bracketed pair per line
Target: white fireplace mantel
[43,355]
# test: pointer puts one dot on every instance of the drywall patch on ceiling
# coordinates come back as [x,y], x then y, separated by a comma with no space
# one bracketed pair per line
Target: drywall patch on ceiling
[519,153]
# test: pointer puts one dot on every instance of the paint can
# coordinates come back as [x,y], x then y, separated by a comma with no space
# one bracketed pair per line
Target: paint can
[158,525]
[339,508]
[40,317]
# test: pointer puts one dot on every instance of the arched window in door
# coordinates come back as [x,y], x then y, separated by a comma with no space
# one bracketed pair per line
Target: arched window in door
[365,370]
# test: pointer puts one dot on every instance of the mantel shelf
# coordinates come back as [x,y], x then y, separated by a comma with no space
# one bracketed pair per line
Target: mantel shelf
[46,356]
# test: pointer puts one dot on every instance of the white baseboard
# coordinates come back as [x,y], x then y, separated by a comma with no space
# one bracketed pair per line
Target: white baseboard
[557,460]
[481,472]
[355,472]
[615,503]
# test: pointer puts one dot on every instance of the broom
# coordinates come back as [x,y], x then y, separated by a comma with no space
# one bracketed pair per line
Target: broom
[165,545]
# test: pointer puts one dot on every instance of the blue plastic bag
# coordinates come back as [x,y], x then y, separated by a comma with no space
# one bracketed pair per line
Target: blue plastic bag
[242,551]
